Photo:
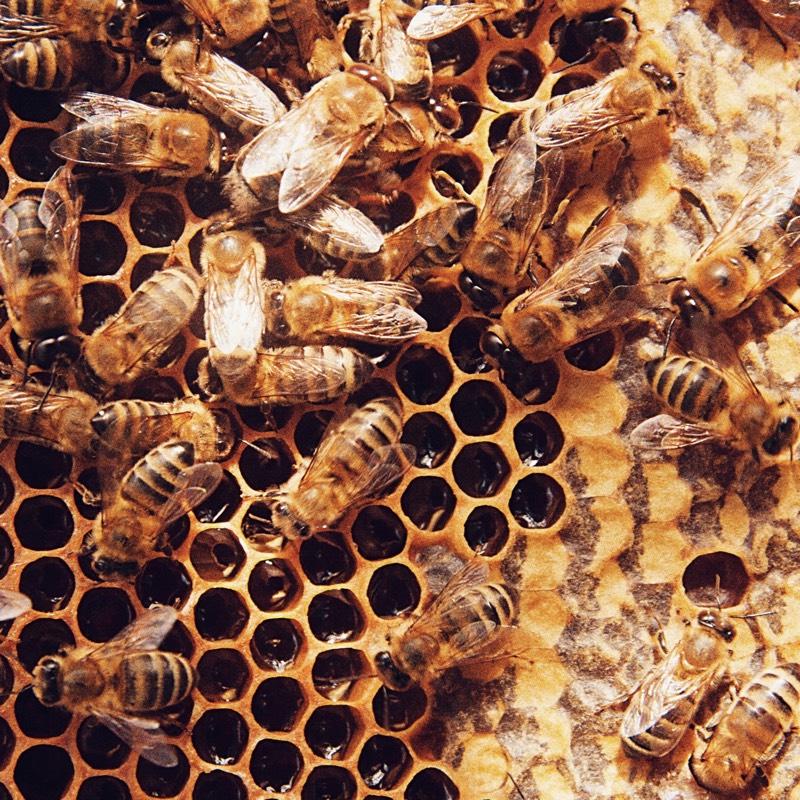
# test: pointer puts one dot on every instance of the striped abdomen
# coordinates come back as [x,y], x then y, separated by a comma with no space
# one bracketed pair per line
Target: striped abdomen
[152,479]
[448,249]
[42,63]
[691,387]
[152,681]
[484,608]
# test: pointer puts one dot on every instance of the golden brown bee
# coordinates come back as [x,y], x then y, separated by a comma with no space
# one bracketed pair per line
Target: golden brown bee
[160,487]
[136,426]
[320,308]
[121,680]
[780,16]
[126,135]
[356,462]
[516,203]
[595,290]
[756,247]
[593,115]
[664,704]
[39,269]
[467,621]
[12,604]
[437,20]
[293,160]
[214,84]
[748,733]
[231,22]
[128,342]
[57,419]
[720,402]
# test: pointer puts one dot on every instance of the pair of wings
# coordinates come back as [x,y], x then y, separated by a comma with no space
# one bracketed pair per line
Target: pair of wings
[434,21]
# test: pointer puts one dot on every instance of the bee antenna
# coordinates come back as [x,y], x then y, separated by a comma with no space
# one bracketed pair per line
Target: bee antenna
[270,456]
[668,339]
[750,616]
[516,786]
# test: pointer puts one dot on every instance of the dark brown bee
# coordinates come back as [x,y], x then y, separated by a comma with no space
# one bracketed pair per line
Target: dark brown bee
[231,22]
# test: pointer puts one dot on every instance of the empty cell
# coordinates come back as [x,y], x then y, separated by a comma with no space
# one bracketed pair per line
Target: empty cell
[571,82]
[329,730]
[480,469]
[272,585]
[383,762]
[456,52]
[537,501]
[222,503]
[41,467]
[378,533]
[103,612]
[216,554]
[276,643]
[39,721]
[275,765]
[48,582]
[220,614]
[478,408]
[100,300]
[30,105]
[6,552]
[266,464]
[398,711]
[335,672]
[43,772]
[219,784]
[519,25]
[498,132]
[538,439]
[431,437]
[163,781]
[163,581]
[102,194]
[157,219]
[465,345]
[161,388]
[103,787]
[534,384]
[335,616]
[6,679]
[43,637]
[220,736]
[439,306]
[102,250]
[204,197]
[31,156]
[223,675]
[486,530]
[514,75]
[460,167]
[309,430]
[277,703]
[428,502]
[393,590]
[43,522]
[456,107]
[99,747]
[716,579]
[431,784]
[326,559]
[593,353]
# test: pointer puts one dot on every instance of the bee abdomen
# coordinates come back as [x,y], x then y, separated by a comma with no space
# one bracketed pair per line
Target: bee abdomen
[151,681]
[124,421]
[172,296]
[772,699]
[689,386]
[39,64]
[661,737]
[489,606]
[151,481]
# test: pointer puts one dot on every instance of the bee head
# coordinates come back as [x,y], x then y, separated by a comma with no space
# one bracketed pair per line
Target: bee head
[716,620]
[689,306]
[477,291]
[108,568]
[65,349]
[45,681]
[390,673]
[784,435]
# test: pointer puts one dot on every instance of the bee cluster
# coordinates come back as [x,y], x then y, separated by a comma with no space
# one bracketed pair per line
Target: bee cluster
[345,313]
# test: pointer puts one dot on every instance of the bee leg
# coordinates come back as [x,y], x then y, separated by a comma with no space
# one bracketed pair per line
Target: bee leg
[775,293]
[86,494]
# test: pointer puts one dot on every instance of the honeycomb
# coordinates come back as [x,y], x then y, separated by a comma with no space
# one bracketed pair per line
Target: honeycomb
[605,544]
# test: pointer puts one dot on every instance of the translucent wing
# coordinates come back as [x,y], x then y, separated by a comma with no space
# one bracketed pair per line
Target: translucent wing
[402,60]
[22,27]
[90,105]
[12,604]
[664,432]
[434,21]
[388,324]
[371,293]
[205,12]
[59,212]
[143,735]
[192,486]
[145,633]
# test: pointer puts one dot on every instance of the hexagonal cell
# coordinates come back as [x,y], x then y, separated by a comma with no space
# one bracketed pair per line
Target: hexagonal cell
[519,25]
[103,612]
[393,590]
[43,522]
[329,731]
[100,300]
[163,581]
[99,747]
[102,194]
[276,643]
[222,503]
[378,533]
[480,469]
[423,375]
[537,501]
[157,219]
[163,781]
[533,384]
[716,579]
[538,439]
[31,156]
[465,347]
[329,782]
[216,784]
[277,703]
[335,616]
[220,614]
[440,304]
[478,408]
[571,82]
[266,463]
[204,197]
[272,585]
[456,52]
[309,430]
[398,711]
[326,559]
[335,672]
[220,736]
[275,765]
[428,502]
[30,105]
[514,75]
[43,772]
[431,784]
[217,555]
[459,167]
[7,743]
[49,583]
[6,490]
[103,787]
[257,527]
[383,762]
[6,679]
[103,248]
[486,530]
[430,435]
[223,675]
[41,467]
[43,637]
[38,721]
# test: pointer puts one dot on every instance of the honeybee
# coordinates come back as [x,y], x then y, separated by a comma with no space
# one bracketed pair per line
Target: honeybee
[756,247]
[294,159]
[316,309]
[160,487]
[13,604]
[748,733]
[39,269]
[664,704]
[215,84]
[136,426]
[720,400]
[595,290]
[497,255]
[128,342]
[780,16]
[121,680]
[358,459]
[467,621]
[57,419]
[594,114]
[231,22]
[124,134]
[437,20]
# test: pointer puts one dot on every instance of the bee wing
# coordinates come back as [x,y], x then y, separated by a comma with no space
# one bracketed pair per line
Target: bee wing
[268,154]
[59,212]
[434,21]
[241,92]
[204,11]
[22,27]
[388,324]
[143,735]
[192,486]
[309,26]
[12,604]
[385,466]
[89,105]
[664,432]
[145,633]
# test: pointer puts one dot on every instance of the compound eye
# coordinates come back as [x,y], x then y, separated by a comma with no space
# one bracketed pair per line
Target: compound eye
[492,345]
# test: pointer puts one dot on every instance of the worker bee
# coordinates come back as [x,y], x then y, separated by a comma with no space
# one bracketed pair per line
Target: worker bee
[756,247]
[748,733]
[136,426]
[664,704]
[293,160]
[318,308]
[13,604]
[782,17]
[593,115]
[39,269]
[595,290]
[135,509]
[121,681]
[467,621]
[60,419]
[128,342]
[356,462]
[231,22]
[215,84]
[517,201]
[720,401]
[123,134]
[437,20]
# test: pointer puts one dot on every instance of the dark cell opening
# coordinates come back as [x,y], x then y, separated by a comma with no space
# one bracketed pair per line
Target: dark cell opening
[570,82]
[383,762]
[43,772]
[43,522]
[31,105]
[103,612]
[432,438]
[163,581]
[717,578]
[266,464]
[389,216]
[6,491]
[204,196]
[514,75]
[161,388]
[537,501]
[276,419]
[428,502]
[456,52]
[478,408]
[326,559]
[591,354]
[103,787]
[218,784]
[439,305]
[480,469]
[276,644]
[335,616]
[222,675]
[7,743]
[335,672]
[31,156]
[498,132]
[99,747]
[538,439]
[486,530]
[423,375]
[146,267]
[222,503]
[309,430]
[6,679]
[217,555]
[329,783]
[398,711]
[463,101]
[179,640]
[157,219]
[220,736]
[460,167]
[100,301]
[329,731]
[431,784]
[534,384]
[102,194]
[519,25]
[272,585]
[275,765]
[49,583]
[465,345]
[39,721]
[277,703]
[220,614]
[393,590]
[41,467]
[102,250]
[378,533]
[163,781]
[43,637]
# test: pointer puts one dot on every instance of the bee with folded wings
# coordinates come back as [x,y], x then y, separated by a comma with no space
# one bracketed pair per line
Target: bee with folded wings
[357,461]
[122,682]
[469,620]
